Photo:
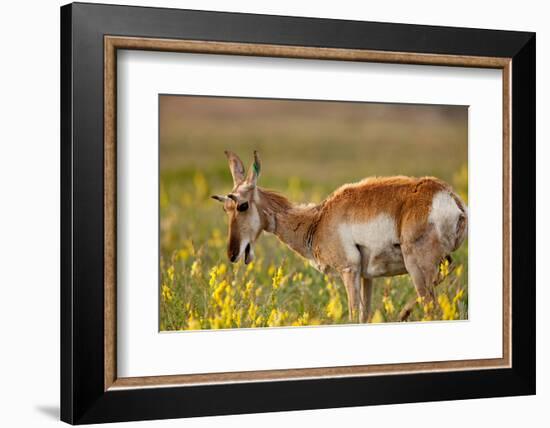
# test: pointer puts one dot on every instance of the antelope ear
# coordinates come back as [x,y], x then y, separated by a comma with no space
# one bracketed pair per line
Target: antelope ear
[236,167]
[255,169]
[219,198]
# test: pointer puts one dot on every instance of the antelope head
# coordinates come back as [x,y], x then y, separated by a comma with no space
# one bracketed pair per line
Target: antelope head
[241,206]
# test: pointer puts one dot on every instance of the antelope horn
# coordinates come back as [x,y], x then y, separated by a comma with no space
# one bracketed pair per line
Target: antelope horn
[219,198]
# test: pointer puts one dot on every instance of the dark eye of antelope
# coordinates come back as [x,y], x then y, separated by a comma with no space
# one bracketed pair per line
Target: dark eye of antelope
[242,207]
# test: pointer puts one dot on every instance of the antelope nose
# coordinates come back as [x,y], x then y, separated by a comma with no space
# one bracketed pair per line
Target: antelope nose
[233,258]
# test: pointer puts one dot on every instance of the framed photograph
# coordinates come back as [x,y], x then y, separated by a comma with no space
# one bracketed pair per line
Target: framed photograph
[265,213]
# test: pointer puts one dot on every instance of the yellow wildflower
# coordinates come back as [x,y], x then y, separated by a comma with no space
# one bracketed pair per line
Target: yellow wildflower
[170,273]
[216,322]
[458,296]
[248,288]
[277,279]
[182,254]
[388,304]
[252,312]
[166,293]
[259,321]
[249,267]
[449,309]
[334,307]
[427,307]
[377,317]
[193,323]
[302,320]
[217,294]
[277,318]
[196,268]
[213,276]
[237,317]
[444,268]
[222,269]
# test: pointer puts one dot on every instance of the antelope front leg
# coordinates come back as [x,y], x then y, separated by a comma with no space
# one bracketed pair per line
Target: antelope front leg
[365,304]
[351,279]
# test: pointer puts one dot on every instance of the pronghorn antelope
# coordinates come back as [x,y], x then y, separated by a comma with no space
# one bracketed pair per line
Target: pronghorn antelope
[376,227]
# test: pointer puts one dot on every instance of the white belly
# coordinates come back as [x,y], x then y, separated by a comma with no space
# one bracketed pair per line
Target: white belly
[375,245]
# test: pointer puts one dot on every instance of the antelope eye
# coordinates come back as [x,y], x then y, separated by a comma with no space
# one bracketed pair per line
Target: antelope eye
[242,207]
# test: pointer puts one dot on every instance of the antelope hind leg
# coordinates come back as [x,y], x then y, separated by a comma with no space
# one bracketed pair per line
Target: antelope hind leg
[422,259]
[365,304]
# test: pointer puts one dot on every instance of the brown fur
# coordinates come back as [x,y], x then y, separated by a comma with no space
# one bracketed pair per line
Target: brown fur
[292,224]
[406,199]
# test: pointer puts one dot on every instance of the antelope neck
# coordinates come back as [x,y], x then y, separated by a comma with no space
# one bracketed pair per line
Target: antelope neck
[295,226]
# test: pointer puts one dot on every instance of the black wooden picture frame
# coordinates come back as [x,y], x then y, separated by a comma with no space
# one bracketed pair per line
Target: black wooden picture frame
[84,398]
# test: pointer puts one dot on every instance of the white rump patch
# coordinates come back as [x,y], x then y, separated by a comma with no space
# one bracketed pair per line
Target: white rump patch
[444,216]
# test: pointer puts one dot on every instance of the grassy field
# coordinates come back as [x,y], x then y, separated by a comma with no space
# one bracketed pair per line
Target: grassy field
[307,150]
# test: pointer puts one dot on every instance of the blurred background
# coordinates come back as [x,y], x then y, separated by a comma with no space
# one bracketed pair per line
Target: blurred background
[308,149]
[345,141]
